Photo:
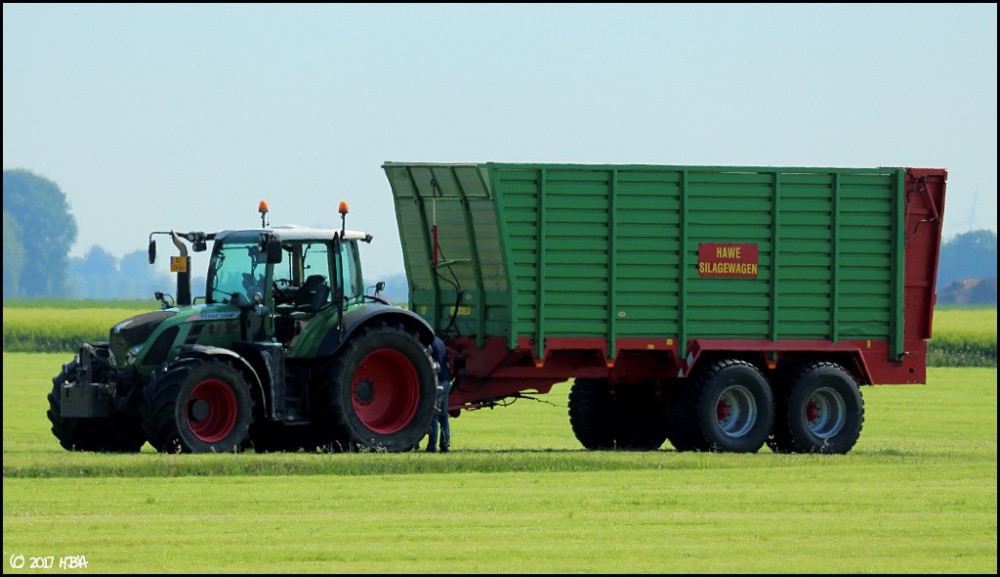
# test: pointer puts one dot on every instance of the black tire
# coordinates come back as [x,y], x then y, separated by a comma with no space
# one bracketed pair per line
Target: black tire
[628,419]
[727,408]
[117,434]
[197,406]
[682,427]
[823,411]
[591,414]
[378,394]
[640,423]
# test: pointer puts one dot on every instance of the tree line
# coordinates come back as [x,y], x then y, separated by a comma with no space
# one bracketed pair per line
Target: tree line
[39,230]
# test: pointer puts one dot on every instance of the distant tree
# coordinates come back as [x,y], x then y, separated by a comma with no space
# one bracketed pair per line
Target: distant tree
[47,231]
[13,256]
[141,279]
[98,261]
[969,291]
[984,292]
[969,255]
[95,276]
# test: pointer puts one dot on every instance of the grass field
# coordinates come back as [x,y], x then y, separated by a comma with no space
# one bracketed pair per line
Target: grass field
[963,336]
[518,495]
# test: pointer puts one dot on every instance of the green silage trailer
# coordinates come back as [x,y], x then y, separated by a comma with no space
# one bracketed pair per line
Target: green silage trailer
[719,308]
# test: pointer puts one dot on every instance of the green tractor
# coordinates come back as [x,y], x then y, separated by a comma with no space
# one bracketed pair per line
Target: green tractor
[285,351]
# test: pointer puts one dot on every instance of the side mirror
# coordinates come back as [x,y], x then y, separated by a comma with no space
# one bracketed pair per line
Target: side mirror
[272,248]
[274,251]
[152,251]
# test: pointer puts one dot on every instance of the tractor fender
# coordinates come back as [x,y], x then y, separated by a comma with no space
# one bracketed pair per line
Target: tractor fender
[190,351]
[361,317]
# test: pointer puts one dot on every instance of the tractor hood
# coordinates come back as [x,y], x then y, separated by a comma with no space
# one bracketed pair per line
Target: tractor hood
[134,331]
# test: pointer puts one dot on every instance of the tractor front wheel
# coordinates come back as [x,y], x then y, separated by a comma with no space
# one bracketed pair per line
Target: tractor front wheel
[197,406]
[117,434]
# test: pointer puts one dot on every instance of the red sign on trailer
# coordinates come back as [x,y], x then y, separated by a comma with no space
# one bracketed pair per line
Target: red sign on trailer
[727,260]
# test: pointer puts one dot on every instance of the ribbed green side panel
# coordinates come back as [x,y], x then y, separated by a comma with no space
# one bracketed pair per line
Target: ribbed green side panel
[455,201]
[612,251]
[866,267]
[729,207]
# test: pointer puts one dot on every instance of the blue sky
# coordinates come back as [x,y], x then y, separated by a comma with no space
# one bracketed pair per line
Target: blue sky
[158,117]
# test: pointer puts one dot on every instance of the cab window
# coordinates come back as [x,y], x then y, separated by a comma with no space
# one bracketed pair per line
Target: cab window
[352,276]
[316,262]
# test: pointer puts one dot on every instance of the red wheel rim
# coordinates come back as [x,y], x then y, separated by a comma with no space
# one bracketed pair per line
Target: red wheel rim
[386,391]
[722,410]
[812,411]
[211,410]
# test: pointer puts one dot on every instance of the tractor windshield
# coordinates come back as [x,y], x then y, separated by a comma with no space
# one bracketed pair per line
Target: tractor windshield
[236,273]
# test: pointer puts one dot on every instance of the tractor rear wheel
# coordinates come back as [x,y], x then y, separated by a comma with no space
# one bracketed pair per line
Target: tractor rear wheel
[378,394]
[197,406]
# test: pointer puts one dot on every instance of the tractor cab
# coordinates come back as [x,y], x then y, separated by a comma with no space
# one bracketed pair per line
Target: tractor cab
[286,277]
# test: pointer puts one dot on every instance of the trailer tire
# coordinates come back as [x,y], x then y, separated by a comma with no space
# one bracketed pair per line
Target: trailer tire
[681,423]
[734,410]
[197,406]
[378,394]
[823,411]
[640,420]
[118,434]
[591,415]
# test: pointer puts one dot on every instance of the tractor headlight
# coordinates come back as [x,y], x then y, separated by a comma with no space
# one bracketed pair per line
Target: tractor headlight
[132,354]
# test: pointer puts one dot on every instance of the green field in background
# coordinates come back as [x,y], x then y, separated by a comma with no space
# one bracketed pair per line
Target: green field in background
[963,336]
[518,495]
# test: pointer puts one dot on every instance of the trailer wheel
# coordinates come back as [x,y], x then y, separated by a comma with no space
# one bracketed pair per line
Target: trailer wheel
[378,394]
[591,414]
[824,411]
[734,410]
[640,423]
[197,406]
[117,434]
[683,430]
